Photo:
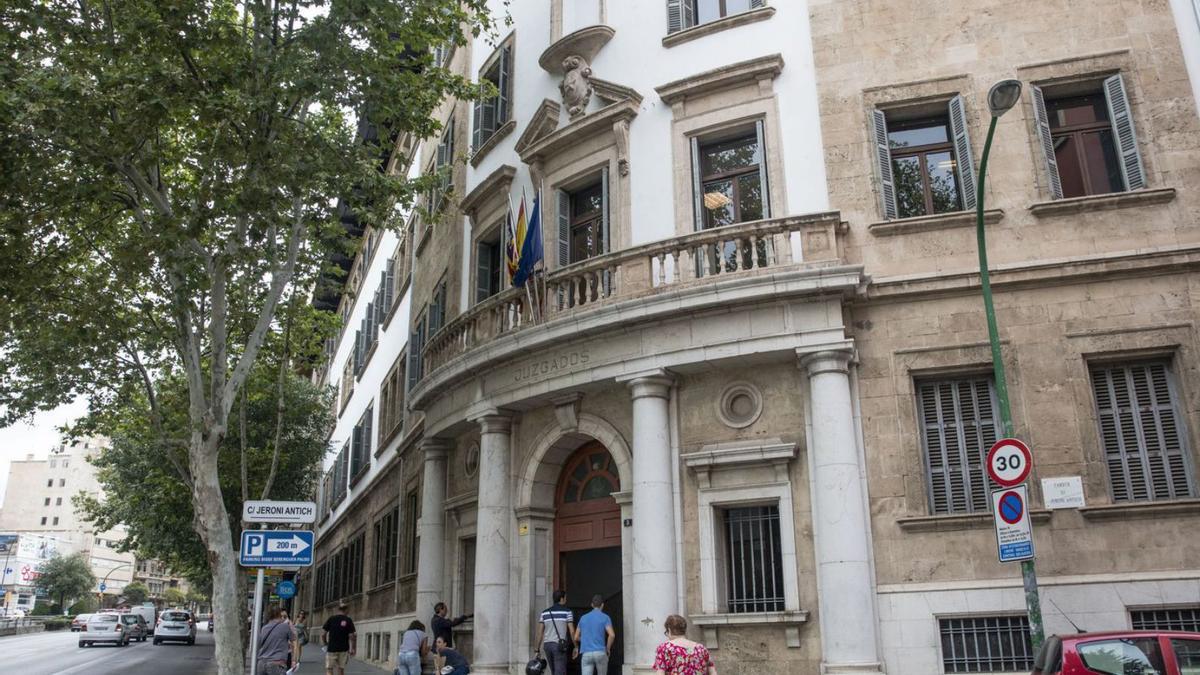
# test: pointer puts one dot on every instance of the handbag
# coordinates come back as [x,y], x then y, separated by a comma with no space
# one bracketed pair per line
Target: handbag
[564,647]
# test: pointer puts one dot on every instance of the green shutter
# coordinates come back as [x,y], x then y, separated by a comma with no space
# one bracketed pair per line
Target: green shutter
[1122,124]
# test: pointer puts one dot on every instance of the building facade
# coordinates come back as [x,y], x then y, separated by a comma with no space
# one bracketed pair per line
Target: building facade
[753,385]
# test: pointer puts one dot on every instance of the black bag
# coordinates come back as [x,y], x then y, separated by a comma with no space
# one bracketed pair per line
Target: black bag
[564,647]
[536,666]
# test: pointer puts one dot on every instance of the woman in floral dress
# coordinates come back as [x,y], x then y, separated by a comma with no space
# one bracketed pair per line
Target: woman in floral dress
[679,655]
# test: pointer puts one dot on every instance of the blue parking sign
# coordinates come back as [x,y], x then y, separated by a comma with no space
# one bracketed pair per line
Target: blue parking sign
[269,548]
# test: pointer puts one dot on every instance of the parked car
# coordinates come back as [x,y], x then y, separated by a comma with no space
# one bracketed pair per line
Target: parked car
[79,622]
[104,628]
[136,627]
[175,625]
[147,612]
[1120,653]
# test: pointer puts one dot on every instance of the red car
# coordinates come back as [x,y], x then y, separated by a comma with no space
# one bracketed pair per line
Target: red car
[1120,653]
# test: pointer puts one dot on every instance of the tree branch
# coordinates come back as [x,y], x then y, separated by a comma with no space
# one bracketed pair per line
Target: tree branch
[279,403]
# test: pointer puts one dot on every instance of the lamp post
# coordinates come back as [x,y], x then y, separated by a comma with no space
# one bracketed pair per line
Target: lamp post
[104,584]
[1001,98]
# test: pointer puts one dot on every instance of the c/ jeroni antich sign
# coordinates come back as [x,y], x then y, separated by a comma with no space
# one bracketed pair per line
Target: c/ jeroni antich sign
[279,512]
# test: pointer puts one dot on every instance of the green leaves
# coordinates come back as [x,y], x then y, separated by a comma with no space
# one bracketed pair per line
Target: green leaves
[66,577]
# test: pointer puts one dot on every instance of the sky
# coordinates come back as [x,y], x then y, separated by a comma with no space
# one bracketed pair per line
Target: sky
[35,437]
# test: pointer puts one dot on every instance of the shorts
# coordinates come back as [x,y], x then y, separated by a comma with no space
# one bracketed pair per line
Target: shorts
[336,659]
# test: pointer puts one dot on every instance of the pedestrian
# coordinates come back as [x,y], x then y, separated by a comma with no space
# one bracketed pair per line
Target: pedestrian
[301,627]
[447,661]
[275,641]
[555,628]
[442,626]
[679,655]
[339,639]
[594,638]
[414,645]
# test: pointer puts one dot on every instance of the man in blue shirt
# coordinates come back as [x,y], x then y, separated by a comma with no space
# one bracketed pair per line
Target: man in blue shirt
[595,636]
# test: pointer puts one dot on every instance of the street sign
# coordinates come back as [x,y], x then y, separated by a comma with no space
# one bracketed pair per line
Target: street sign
[1063,493]
[1009,462]
[103,586]
[1014,534]
[266,548]
[279,512]
[285,590]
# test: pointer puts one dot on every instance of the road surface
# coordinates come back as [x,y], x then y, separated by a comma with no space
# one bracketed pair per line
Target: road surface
[58,653]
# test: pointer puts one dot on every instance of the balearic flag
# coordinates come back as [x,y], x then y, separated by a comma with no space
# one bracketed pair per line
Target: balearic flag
[531,247]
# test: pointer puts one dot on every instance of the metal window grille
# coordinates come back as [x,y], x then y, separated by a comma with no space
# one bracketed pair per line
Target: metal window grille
[986,644]
[1180,618]
[959,423]
[1141,430]
[754,559]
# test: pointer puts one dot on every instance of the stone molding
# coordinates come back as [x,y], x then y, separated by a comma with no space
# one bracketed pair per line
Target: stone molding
[433,449]
[613,92]
[738,454]
[494,421]
[584,127]
[460,502]
[960,521]
[543,122]
[726,77]
[566,409]
[584,43]
[1161,509]
[495,186]
[589,425]
[1105,202]
[654,383]
[941,221]
[722,24]
[826,361]
[791,621]
[477,154]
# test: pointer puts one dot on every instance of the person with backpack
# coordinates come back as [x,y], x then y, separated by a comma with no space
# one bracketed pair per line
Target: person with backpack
[555,628]
[414,645]
[276,642]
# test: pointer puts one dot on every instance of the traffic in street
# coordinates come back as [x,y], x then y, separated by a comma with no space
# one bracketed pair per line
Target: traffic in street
[59,653]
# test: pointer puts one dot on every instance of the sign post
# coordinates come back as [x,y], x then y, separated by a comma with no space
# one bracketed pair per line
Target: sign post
[273,548]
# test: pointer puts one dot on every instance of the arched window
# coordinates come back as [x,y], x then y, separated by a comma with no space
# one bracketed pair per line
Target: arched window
[589,475]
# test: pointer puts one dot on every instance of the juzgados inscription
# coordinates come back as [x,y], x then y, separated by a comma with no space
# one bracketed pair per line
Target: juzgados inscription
[546,366]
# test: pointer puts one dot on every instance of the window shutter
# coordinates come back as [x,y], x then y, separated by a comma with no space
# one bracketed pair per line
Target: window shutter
[755,4]
[414,360]
[1043,126]
[504,100]
[487,119]
[483,271]
[675,15]
[476,126]
[762,169]
[389,283]
[604,211]
[356,445]
[962,152]
[369,329]
[883,164]
[368,434]
[358,350]
[1140,431]
[958,426]
[697,188]
[564,228]
[449,157]
[1122,124]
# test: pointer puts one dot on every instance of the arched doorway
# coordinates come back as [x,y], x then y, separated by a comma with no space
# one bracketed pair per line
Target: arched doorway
[587,538]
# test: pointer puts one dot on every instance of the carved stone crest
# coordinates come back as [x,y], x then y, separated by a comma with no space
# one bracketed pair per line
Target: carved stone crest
[576,86]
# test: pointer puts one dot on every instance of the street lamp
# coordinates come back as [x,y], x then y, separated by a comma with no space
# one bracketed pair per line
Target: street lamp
[1001,98]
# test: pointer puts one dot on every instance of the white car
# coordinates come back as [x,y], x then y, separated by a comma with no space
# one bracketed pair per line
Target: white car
[175,625]
[104,628]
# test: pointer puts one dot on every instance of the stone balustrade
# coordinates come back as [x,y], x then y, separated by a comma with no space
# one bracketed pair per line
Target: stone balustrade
[708,256]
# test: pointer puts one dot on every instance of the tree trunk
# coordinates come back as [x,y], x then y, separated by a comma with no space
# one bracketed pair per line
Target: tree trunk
[212,523]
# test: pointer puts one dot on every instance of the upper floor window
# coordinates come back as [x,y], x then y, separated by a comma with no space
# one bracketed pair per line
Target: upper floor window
[391,400]
[583,220]
[361,442]
[730,177]
[682,14]
[488,263]
[437,307]
[959,423]
[491,114]
[1088,139]
[924,160]
[1142,432]
[442,54]
[443,158]
[416,344]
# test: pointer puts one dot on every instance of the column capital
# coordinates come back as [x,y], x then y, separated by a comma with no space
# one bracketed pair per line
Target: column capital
[836,360]
[433,449]
[654,383]
[494,421]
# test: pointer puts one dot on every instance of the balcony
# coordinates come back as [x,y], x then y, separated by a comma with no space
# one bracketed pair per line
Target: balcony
[620,282]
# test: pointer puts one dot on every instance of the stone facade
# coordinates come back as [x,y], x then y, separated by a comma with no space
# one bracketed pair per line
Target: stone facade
[763,374]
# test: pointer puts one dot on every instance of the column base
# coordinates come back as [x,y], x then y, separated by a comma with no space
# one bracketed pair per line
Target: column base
[497,669]
[851,668]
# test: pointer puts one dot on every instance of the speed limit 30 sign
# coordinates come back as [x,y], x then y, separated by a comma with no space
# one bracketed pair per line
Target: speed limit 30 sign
[1009,462]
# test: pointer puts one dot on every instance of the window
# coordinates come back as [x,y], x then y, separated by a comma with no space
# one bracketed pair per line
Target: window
[387,645]
[50,483]
[468,576]
[387,540]
[58,501]
[493,113]
[65,463]
[442,54]
[62,482]
[327,489]
[354,565]
[444,157]
[1187,655]
[1182,618]
[437,307]
[53,463]
[488,264]
[584,215]
[391,400]
[47,502]
[1142,432]
[43,520]
[340,477]
[412,510]
[1088,141]
[55,520]
[347,387]
[729,178]
[753,559]
[959,423]
[368,331]
[993,644]
[1122,656]
[416,344]
[361,442]
[924,160]
[682,14]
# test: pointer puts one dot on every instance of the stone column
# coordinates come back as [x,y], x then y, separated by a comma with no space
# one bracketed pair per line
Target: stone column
[493,527]
[431,555]
[849,625]
[654,533]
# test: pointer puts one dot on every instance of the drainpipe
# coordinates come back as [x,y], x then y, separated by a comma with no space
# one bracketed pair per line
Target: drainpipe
[399,512]
[677,493]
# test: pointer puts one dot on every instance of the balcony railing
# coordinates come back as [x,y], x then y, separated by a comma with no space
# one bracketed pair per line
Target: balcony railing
[708,256]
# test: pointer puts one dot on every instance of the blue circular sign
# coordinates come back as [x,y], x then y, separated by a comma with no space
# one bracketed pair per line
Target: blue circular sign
[285,590]
[102,587]
[1011,508]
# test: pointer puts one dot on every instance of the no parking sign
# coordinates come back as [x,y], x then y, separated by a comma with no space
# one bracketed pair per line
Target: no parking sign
[1014,534]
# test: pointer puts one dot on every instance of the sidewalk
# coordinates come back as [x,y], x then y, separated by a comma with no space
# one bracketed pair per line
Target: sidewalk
[313,666]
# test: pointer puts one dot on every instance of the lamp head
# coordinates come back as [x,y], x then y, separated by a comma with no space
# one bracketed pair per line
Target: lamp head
[1002,96]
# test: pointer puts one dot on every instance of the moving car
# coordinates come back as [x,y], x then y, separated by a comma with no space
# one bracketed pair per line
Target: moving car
[1120,653]
[79,622]
[104,628]
[175,625]
[136,627]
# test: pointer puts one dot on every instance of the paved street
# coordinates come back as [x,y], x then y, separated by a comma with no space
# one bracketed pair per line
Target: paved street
[58,653]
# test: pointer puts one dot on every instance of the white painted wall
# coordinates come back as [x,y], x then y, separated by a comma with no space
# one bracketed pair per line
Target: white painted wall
[1187,23]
